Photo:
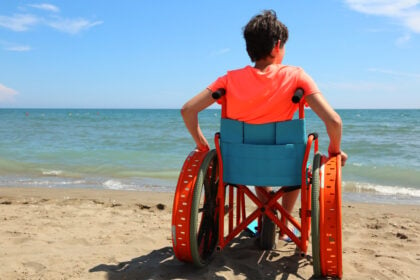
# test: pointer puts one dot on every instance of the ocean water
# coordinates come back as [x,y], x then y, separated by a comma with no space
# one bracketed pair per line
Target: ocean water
[145,150]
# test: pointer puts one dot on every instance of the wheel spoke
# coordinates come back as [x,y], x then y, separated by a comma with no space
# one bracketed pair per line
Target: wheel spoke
[204,225]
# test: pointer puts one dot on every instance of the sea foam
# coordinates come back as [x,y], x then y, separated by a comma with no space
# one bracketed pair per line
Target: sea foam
[380,189]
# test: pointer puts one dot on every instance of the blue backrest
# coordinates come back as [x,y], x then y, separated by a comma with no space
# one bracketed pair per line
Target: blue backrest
[263,155]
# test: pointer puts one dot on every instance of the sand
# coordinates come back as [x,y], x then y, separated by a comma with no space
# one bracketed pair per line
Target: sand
[104,234]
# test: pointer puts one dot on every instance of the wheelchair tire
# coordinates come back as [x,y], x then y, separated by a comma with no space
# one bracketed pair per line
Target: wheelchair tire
[268,234]
[330,218]
[315,213]
[204,219]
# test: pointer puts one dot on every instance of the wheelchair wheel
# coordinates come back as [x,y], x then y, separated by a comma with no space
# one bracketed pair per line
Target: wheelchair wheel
[268,234]
[330,219]
[326,217]
[316,255]
[204,221]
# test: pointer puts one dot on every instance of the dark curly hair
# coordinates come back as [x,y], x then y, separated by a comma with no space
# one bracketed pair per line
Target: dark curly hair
[262,33]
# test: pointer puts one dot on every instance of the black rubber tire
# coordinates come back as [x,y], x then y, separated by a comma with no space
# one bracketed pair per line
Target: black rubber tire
[204,219]
[316,255]
[268,234]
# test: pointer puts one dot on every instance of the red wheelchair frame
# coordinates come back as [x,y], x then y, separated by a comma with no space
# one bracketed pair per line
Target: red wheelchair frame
[198,227]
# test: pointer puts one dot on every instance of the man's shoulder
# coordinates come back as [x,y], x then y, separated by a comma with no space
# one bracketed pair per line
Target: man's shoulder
[291,68]
[240,70]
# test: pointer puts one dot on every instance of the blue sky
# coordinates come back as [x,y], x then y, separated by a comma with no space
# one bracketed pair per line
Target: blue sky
[158,54]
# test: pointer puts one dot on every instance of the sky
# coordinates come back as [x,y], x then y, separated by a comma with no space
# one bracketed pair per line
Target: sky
[158,54]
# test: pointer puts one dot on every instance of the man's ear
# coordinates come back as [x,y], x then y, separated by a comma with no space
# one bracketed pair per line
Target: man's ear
[276,48]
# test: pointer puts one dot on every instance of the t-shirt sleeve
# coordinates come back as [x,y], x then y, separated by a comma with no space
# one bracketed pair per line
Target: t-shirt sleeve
[221,82]
[307,84]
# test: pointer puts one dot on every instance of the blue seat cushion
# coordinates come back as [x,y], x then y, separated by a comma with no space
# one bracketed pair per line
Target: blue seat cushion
[263,155]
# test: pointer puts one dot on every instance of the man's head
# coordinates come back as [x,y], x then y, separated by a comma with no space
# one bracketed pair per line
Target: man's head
[262,33]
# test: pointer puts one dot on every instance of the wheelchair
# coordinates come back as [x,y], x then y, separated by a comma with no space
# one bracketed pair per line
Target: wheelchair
[209,208]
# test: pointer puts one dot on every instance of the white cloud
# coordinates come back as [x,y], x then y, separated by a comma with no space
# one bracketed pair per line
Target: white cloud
[395,73]
[23,22]
[407,12]
[391,8]
[413,21]
[220,52]
[19,22]
[6,94]
[18,48]
[361,86]
[403,40]
[45,7]
[13,47]
[72,26]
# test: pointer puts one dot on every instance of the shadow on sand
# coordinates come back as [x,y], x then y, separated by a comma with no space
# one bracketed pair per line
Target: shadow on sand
[242,259]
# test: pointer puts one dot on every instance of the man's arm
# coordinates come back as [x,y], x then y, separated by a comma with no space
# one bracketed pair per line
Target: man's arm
[331,120]
[190,112]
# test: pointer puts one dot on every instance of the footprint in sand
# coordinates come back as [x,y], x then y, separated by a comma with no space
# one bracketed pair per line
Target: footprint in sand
[37,267]
[5,202]
[78,241]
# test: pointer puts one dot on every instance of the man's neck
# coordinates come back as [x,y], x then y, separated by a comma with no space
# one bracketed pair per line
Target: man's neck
[262,64]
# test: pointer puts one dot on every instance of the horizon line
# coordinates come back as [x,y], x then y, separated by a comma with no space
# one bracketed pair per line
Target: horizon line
[169,108]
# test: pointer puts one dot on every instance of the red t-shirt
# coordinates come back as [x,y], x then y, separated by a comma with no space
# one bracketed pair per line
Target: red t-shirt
[259,97]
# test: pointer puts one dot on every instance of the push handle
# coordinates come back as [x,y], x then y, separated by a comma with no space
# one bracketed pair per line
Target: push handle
[218,93]
[297,96]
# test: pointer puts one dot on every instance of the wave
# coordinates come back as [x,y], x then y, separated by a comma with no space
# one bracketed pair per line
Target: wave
[16,168]
[360,187]
[114,185]
[388,175]
[52,172]
[358,178]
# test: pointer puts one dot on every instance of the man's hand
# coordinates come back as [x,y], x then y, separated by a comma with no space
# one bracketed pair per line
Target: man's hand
[202,148]
[343,157]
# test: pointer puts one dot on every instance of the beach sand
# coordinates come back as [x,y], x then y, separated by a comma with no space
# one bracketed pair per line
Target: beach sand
[104,234]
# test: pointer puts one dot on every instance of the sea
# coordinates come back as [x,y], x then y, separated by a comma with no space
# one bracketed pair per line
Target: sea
[144,149]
